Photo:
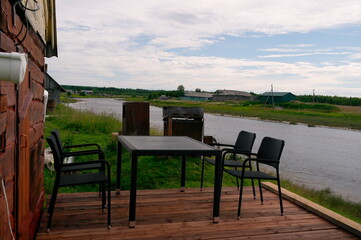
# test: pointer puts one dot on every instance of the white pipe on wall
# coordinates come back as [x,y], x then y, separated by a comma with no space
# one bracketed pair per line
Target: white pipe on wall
[13,66]
[46,96]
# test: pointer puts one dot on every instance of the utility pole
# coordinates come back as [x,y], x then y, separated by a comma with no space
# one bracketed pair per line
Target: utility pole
[273,101]
[313,96]
[270,94]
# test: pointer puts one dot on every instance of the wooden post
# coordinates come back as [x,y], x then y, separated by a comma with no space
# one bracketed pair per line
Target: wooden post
[170,126]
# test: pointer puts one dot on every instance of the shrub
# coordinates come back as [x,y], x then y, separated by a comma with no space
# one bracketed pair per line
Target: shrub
[309,106]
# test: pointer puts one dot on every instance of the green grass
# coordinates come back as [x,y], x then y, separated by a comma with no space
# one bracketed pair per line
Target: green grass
[327,199]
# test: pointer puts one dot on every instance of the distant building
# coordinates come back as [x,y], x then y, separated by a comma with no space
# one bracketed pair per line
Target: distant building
[226,95]
[86,92]
[71,91]
[197,96]
[54,90]
[277,97]
[163,97]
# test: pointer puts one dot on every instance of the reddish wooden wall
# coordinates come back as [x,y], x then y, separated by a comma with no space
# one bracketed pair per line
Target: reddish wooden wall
[21,132]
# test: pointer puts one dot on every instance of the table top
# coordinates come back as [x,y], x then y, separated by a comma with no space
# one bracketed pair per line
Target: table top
[167,145]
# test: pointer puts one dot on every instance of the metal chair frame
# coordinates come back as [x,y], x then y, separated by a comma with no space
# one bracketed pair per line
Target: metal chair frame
[76,175]
[269,153]
[243,146]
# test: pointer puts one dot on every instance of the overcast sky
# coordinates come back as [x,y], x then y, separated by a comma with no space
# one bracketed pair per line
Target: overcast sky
[247,45]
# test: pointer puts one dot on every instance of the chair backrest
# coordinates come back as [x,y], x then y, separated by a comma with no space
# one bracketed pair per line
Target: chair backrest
[58,141]
[56,152]
[245,141]
[271,149]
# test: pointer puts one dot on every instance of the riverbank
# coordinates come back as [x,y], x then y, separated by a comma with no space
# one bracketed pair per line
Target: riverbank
[333,116]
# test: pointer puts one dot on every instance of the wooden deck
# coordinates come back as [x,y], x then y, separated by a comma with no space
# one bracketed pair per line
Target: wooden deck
[170,214]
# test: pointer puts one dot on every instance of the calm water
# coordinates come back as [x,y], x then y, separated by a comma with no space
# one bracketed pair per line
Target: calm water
[317,157]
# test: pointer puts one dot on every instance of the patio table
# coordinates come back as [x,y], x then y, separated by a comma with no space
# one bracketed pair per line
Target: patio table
[166,146]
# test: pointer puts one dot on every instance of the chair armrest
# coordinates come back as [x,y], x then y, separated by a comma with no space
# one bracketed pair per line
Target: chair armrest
[237,151]
[90,162]
[82,145]
[259,160]
[221,145]
[100,153]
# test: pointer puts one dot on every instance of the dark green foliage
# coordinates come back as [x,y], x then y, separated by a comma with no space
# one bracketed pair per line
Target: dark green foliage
[157,94]
[350,101]
[308,106]
[111,91]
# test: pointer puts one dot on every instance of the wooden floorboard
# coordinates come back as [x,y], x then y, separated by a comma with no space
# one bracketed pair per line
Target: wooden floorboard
[171,214]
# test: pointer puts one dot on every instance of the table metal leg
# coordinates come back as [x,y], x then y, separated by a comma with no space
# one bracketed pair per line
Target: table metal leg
[183,174]
[217,187]
[119,167]
[133,191]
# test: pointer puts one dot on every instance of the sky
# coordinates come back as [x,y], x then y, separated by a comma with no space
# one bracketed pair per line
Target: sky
[303,47]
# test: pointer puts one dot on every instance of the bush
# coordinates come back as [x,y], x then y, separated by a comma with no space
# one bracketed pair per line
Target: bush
[309,106]
[350,101]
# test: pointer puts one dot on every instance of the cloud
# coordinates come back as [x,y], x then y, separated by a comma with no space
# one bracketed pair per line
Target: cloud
[303,54]
[143,44]
[356,56]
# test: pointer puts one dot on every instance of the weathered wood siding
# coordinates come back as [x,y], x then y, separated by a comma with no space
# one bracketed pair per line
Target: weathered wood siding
[21,131]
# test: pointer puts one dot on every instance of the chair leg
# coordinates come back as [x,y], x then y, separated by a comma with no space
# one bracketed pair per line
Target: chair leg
[235,168]
[202,173]
[280,196]
[103,197]
[260,190]
[253,189]
[240,199]
[109,205]
[52,204]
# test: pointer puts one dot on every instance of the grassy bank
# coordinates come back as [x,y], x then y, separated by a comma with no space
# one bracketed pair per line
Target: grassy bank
[310,114]
[161,172]
[327,199]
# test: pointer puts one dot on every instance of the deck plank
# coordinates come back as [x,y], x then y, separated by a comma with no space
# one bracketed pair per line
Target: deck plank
[169,213]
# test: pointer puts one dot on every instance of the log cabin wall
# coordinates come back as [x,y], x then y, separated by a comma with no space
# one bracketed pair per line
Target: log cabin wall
[22,127]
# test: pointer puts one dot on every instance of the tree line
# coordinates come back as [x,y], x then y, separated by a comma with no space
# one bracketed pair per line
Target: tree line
[349,101]
[111,91]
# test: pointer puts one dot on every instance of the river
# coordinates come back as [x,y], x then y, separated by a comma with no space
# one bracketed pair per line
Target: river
[316,157]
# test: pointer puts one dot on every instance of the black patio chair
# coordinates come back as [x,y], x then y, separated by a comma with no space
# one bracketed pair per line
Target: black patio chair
[269,153]
[56,134]
[65,151]
[243,146]
[72,178]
